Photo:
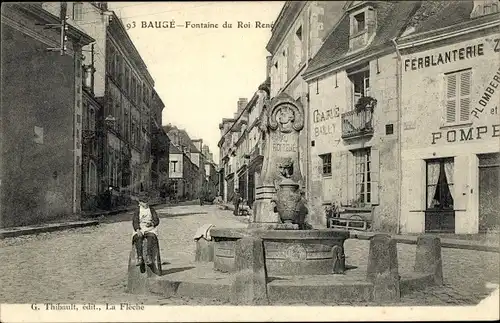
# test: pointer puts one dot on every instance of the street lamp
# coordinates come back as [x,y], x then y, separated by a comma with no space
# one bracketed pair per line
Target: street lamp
[110,121]
[88,73]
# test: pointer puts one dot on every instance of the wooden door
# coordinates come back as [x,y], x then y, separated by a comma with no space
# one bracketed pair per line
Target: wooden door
[489,192]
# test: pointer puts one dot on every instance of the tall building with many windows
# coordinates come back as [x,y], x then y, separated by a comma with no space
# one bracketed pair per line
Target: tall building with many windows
[299,31]
[130,115]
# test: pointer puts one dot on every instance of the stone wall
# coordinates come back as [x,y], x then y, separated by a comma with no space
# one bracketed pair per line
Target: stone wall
[37,152]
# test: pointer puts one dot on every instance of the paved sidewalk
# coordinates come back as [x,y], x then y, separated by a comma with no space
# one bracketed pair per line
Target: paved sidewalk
[490,246]
[64,225]
[49,227]
[445,242]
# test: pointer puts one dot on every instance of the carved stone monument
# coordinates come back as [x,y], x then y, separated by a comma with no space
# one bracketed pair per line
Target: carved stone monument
[282,120]
[289,248]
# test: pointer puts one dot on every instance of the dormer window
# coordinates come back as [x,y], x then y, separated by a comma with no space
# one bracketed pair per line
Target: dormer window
[362,27]
[484,7]
[359,23]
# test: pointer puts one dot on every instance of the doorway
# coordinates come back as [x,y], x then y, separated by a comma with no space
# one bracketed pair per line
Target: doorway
[440,213]
[489,194]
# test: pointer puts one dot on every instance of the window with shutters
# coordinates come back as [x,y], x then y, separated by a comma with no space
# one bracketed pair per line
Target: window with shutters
[362,176]
[458,96]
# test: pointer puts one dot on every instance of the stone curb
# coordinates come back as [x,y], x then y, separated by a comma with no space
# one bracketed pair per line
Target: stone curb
[20,231]
[118,211]
[445,243]
[49,227]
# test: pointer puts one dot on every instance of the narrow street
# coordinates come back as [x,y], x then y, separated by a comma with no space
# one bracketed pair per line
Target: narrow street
[90,264]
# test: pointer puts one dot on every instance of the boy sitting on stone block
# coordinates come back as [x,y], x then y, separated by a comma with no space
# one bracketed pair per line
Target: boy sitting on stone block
[145,222]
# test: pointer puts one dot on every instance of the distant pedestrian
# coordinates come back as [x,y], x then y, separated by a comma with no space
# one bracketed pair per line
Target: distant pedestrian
[145,222]
[236,202]
[302,212]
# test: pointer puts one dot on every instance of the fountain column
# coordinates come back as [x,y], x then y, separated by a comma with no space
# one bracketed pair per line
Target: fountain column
[281,122]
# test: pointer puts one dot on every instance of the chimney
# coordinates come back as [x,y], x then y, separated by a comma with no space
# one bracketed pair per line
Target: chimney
[484,7]
[269,64]
[242,103]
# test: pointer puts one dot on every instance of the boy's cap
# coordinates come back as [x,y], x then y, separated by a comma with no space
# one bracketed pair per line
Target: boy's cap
[143,196]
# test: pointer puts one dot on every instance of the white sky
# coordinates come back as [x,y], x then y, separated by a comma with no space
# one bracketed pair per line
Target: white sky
[200,73]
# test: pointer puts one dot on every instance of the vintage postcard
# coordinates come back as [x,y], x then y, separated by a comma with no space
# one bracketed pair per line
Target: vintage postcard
[250,161]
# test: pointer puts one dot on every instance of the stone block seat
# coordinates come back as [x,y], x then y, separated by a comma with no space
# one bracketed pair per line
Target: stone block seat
[379,280]
[138,275]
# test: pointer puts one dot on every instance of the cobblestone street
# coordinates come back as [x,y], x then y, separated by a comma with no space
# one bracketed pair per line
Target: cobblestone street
[90,264]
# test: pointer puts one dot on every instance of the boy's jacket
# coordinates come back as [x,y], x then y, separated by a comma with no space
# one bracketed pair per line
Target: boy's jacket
[136,222]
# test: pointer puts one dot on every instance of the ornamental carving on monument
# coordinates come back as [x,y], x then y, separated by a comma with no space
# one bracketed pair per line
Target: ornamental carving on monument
[286,117]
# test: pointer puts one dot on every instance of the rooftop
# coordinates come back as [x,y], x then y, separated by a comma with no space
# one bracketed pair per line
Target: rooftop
[394,19]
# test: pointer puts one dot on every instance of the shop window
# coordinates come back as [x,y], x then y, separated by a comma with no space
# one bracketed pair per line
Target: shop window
[440,184]
[363,180]
[458,96]
[327,164]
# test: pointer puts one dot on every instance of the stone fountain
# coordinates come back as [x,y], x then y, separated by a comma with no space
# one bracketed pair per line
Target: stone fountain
[289,248]
[278,257]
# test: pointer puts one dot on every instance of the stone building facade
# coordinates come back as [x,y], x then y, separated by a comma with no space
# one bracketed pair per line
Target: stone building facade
[186,164]
[131,109]
[353,152]
[298,33]
[450,123]
[415,161]
[401,123]
[211,175]
[41,159]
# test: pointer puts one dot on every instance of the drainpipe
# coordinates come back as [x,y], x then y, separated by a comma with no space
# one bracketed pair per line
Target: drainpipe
[400,127]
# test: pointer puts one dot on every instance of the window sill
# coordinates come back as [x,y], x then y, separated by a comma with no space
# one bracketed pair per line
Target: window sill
[359,33]
[456,125]
[430,210]
[326,176]
[352,209]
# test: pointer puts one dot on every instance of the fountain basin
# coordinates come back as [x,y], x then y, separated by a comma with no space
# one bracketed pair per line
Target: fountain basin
[287,252]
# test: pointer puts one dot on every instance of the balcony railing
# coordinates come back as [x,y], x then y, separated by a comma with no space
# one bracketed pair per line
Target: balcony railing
[357,124]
